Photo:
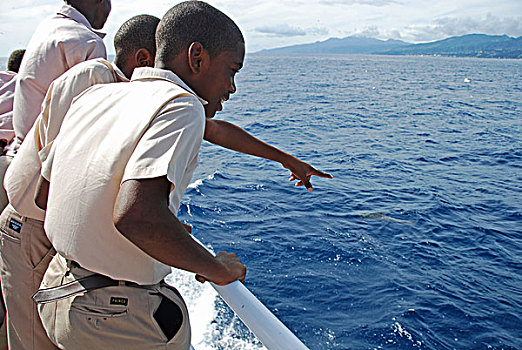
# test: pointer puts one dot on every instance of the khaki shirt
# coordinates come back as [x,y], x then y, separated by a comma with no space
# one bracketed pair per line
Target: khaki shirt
[59,42]
[23,173]
[150,127]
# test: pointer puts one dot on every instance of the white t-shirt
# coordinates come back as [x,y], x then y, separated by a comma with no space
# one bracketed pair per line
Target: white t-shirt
[150,127]
[23,173]
[60,42]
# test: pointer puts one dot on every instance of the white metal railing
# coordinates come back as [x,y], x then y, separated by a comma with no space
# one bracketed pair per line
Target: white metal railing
[262,322]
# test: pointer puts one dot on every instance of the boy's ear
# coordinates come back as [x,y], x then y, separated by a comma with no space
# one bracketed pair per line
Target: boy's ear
[197,57]
[144,58]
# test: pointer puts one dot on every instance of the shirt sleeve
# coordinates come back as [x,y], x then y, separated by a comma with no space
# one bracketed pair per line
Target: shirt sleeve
[76,51]
[63,91]
[171,143]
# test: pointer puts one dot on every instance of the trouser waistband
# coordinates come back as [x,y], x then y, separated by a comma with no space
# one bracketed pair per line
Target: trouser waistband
[81,285]
[14,214]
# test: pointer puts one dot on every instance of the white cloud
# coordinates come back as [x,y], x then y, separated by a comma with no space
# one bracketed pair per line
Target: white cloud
[281,30]
[376,3]
[285,30]
[445,27]
[368,32]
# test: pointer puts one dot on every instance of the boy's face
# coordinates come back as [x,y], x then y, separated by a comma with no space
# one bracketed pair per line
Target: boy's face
[217,84]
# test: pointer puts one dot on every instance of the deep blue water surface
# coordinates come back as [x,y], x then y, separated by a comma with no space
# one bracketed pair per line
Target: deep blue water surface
[417,241]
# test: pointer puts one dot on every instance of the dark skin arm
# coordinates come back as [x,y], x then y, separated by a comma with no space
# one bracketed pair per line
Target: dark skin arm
[42,192]
[142,215]
[233,137]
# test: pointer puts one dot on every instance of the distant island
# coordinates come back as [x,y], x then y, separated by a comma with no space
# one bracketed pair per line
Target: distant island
[471,45]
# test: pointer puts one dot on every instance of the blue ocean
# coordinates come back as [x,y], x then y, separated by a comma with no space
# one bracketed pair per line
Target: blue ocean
[416,243]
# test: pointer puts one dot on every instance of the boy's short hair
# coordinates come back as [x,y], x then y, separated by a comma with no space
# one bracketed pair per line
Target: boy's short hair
[137,33]
[196,21]
[15,60]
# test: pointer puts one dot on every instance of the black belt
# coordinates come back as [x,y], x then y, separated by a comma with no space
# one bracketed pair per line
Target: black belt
[81,285]
[88,283]
[85,284]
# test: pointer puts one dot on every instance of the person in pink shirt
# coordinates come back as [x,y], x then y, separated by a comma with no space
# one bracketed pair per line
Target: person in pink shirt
[7,88]
[60,42]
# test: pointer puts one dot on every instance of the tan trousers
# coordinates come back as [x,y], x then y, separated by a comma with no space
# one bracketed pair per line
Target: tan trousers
[25,254]
[126,317]
[5,161]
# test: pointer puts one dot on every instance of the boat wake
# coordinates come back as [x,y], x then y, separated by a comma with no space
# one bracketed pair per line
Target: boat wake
[214,325]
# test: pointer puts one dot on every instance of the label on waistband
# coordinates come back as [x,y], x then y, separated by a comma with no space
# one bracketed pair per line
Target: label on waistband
[15,225]
[119,301]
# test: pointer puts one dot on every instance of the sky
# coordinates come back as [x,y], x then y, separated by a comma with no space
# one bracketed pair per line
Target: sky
[275,23]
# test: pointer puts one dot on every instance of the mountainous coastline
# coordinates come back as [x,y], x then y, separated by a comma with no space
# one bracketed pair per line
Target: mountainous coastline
[349,44]
[471,45]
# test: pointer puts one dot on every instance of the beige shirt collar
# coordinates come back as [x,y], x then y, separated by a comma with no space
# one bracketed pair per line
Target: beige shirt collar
[119,73]
[144,73]
[72,13]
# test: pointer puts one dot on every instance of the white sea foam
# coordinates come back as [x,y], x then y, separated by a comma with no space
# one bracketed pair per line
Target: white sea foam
[200,299]
[402,332]
[195,184]
[199,182]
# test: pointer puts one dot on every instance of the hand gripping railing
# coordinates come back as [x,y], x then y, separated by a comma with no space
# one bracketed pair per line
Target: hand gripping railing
[268,329]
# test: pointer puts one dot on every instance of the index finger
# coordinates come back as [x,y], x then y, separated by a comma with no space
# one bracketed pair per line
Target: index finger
[321,174]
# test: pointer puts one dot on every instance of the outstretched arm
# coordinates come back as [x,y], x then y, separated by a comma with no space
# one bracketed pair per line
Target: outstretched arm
[230,136]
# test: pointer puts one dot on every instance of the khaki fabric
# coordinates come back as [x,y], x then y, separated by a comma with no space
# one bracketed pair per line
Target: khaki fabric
[25,254]
[5,161]
[3,324]
[93,320]
[3,336]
